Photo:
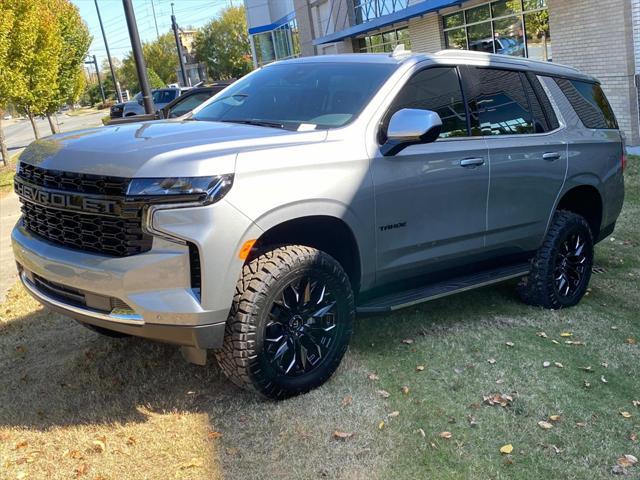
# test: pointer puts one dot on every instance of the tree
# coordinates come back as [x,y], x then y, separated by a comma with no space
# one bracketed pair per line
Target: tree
[223,45]
[7,84]
[75,39]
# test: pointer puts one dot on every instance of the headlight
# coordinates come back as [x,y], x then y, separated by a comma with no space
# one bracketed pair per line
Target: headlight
[203,189]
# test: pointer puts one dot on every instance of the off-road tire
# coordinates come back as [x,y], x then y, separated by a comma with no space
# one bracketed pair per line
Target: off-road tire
[538,288]
[242,357]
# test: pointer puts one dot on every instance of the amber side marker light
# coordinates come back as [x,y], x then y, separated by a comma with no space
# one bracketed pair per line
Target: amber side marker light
[246,249]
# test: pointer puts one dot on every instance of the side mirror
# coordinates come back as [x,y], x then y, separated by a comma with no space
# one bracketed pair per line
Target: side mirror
[411,126]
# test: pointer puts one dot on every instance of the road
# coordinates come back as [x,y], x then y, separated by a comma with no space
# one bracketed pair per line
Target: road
[19,134]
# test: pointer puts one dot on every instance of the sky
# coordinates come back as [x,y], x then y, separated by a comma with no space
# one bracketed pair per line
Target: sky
[194,13]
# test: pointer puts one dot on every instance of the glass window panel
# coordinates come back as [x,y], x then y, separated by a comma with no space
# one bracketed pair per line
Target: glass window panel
[497,102]
[282,43]
[478,14]
[480,38]
[453,20]
[505,7]
[456,38]
[389,37]
[403,37]
[589,102]
[534,4]
[436,89]
[509,39]
[538,36]
[264,47]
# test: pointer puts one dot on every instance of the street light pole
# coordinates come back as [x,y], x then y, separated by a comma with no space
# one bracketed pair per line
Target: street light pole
[136,47]
[174,25]
[106,46]
[95,63]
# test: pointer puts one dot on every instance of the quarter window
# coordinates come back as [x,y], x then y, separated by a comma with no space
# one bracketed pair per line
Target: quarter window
[436,89]
[589,102]
[497,102]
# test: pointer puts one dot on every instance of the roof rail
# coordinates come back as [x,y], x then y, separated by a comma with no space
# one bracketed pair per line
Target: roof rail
[504,58]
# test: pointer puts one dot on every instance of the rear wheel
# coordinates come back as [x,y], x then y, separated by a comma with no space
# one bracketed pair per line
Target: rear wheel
[290,323]
[561,270]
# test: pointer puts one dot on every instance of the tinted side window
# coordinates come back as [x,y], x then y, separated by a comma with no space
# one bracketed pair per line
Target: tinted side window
[437,89]
[589,102]
[498,104]
[545,103]
[188,103]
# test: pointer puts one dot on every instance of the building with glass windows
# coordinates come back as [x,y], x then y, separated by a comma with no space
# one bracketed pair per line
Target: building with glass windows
[600,37]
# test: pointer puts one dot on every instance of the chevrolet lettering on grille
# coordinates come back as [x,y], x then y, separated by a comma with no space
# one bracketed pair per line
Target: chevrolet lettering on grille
[66,201]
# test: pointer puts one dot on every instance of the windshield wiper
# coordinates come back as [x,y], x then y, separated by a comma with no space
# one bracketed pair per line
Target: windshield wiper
[259,123]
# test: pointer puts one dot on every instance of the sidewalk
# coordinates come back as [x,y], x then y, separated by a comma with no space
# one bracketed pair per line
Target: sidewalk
[9,214]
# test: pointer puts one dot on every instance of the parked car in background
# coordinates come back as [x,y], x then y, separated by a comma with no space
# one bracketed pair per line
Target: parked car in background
[161,97]
[7,116]
[182,105]
[311,189]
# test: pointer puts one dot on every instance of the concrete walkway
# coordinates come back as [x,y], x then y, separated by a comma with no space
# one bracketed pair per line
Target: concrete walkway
[9,214]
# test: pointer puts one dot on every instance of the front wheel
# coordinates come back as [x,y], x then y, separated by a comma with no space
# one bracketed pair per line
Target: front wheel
[290,322]
[561,270]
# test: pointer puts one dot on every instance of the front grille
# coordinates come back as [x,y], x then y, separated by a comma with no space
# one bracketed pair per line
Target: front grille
[81,211]
[74,182]
[94,233]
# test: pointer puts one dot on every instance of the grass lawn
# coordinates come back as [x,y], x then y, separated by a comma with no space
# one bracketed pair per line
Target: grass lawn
[6,176]
[74,404]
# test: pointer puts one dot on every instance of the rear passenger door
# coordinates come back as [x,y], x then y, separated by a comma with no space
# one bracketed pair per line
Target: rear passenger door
[527,155]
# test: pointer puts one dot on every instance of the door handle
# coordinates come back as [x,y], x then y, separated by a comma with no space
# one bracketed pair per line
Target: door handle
[550,156]
[472,162]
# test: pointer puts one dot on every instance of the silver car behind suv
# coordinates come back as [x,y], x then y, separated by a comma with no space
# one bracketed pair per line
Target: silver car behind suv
[259,224]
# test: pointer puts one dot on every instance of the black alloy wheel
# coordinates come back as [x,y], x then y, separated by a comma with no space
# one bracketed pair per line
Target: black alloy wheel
[570,265]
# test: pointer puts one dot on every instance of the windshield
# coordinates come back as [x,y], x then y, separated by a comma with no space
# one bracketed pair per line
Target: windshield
[299,95]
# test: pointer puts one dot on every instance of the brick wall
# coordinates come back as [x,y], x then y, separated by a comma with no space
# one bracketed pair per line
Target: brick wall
[426,33]
[635,9]
[596,36]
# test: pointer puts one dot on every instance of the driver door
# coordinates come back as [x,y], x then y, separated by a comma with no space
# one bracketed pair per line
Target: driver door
[431,199]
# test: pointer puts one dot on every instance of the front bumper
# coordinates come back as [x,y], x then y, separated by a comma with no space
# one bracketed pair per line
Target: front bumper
[155,285]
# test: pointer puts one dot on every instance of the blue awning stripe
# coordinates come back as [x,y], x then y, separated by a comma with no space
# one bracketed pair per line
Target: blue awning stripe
[272,26]
[414,10]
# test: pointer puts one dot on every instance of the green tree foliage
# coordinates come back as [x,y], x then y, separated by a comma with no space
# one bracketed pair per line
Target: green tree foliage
[74,36]
[223,45]
[161,58]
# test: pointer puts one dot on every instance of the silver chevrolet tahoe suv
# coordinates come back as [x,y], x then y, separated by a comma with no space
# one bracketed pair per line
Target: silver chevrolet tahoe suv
[313,189]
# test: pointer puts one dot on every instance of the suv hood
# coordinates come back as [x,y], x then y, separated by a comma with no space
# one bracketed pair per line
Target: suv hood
[159,149]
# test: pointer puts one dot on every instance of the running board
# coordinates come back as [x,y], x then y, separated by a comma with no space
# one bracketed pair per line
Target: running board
[408,298]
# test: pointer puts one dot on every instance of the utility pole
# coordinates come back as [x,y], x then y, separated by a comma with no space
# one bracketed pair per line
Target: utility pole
[155,20]
[95,63]
[174,25]
[136,47]
[106,46]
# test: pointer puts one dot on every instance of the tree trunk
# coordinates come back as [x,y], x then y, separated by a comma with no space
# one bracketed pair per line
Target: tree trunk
[33,124]
[3,145]
[52,125]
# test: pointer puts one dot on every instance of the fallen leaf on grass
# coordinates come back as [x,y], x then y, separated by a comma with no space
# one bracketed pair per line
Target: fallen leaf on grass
[509,344]
[541,334]
[572,342]
[405,390]
[212,435]
[383,393]
[554,418]
[498,399]
[544,425]
[546,364]
[558,364]
[566,334]
[373,376]
[626,414]
[633,437]
[348,400]
[381,425]
[132,441]
[338,435]
[506,449]
[193,463]
[631,341]
[581,424]
[21,349]
[603,380]
[99,445]
[555,341]
[627,461]
[75,454]
[587,369]
[636,403]
[491,361]
[82,470]
[20,445]
[472,421]
[419,368]
[556,449]
[605,364]
[393,414]
[407,341]
[445,435]
[421,432]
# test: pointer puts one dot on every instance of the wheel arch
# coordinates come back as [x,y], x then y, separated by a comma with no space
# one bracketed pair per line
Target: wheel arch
[327,233]
[586,200]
